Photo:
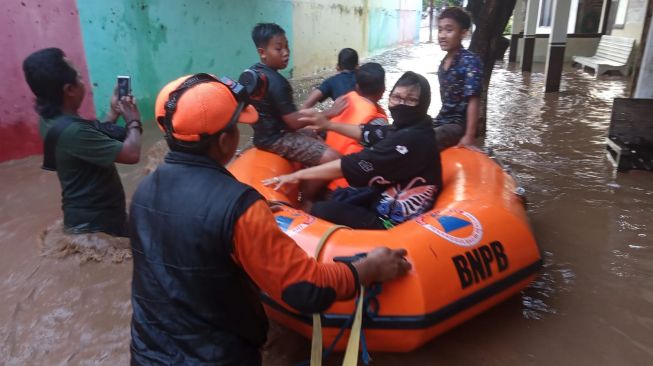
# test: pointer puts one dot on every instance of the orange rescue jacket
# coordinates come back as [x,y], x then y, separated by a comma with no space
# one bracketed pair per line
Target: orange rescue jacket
[360,110]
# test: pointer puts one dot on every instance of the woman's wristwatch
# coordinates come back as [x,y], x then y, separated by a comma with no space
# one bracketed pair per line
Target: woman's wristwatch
[135,124]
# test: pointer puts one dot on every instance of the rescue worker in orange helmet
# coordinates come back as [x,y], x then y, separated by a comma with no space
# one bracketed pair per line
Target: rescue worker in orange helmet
[204,244]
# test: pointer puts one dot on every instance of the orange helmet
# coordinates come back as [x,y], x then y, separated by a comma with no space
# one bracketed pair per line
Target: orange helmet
[195,107]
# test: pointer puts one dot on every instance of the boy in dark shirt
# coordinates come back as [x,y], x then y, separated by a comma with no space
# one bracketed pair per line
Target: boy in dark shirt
[339,84]
[460,75]
[276,130]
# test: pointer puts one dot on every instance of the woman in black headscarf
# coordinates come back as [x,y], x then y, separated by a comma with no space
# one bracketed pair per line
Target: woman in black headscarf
[396,177]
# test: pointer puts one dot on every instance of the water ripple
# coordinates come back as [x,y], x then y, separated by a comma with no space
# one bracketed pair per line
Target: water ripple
[554,278]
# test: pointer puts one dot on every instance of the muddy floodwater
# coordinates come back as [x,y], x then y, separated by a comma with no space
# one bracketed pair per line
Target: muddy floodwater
[592,303]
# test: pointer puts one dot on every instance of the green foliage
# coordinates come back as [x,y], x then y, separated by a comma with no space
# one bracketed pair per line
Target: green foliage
[508,29]
[439,4]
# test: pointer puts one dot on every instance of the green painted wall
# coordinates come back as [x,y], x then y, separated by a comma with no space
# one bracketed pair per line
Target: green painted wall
[156,41]
[391,22]
[322,28]
[383,28]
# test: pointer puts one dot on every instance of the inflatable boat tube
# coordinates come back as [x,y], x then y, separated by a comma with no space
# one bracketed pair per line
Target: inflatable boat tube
[472,251]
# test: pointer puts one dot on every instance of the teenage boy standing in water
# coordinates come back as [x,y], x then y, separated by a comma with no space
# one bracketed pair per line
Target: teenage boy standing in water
[461,80]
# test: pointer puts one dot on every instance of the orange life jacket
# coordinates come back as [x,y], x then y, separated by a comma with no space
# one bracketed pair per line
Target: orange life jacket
[360,110]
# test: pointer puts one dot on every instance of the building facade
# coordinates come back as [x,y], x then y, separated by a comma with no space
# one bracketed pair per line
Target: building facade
[155,41]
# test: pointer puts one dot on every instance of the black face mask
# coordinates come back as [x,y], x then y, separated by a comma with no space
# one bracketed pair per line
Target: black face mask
[404,115]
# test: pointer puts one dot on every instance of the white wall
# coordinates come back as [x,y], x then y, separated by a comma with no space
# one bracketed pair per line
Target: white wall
[575,47]
[634,25]
[645,79]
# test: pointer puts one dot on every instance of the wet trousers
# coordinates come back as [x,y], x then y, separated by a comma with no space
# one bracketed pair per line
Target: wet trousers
[448,135]
[340,213]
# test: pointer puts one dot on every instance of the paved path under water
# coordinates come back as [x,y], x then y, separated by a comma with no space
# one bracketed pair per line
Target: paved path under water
[592,303]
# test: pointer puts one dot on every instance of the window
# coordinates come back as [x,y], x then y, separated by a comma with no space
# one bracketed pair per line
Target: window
[546,13]
[588,17]
[620,18]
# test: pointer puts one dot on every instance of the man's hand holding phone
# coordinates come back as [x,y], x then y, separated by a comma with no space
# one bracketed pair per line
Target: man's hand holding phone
[122,89]
[127,104]
[129,110]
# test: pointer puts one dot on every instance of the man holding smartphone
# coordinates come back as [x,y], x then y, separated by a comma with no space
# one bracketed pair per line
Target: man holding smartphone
[83,152]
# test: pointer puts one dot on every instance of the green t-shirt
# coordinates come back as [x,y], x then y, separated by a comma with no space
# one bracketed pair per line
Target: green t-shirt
[92,195]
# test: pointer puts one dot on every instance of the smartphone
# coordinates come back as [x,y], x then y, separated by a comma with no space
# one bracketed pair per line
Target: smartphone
[124,86]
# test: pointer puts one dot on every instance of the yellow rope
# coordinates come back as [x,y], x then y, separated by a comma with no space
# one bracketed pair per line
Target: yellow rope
[351,353]
[316,342]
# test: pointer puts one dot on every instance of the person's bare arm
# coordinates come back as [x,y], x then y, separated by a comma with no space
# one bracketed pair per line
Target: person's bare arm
[336,108]
[319,120]
[345,129]
[327,171]
[315,96]
[131,147]
[472,121]
[292,120]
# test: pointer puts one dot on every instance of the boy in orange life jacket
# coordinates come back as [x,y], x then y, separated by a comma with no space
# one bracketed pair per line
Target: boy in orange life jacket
[277,128]
[339,84]
[362,108]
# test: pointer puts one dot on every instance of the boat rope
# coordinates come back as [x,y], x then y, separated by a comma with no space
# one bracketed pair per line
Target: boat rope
[371,304]
[357,336]
[351,352]
[367,302]
[316,342]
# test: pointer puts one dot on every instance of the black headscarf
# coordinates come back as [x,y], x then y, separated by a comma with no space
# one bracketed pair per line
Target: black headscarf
[404,115]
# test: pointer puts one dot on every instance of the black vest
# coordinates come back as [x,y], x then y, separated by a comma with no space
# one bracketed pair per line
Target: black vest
[192,304]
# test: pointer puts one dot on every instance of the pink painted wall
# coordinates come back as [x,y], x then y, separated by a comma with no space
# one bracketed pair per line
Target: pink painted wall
[26,26]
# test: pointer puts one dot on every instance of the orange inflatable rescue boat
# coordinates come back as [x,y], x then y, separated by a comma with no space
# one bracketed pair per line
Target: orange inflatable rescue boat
[473,250]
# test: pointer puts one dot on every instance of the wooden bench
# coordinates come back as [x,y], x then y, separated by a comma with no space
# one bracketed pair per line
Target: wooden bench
[613,53]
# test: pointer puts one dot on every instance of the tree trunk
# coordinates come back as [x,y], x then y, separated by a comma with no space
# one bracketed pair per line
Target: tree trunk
[490,18]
